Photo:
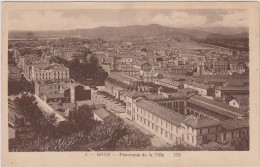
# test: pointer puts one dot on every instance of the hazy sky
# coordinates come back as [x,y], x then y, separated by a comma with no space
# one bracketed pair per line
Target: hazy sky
[72,19]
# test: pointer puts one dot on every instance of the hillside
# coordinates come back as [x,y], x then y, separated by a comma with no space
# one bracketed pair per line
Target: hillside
[222,30]
[119,33]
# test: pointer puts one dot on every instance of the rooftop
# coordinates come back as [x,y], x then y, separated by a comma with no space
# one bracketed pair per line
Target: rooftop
[215,106]
[195,84]
[134,94]
[102,113]
[58,95]
[196,122]
[222,78]
[242,100]
[235,123]
[170,81]
[225,88]
[161,111]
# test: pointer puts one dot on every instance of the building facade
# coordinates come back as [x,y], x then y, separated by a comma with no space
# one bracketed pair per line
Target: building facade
[49,72]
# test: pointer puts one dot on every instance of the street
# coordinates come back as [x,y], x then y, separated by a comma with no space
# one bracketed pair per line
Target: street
[119,110]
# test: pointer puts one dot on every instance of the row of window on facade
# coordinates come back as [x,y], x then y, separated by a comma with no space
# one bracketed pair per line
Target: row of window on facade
[162,131]
[55,92]
[62,77]
[196,114]
[46,74]
[175,104]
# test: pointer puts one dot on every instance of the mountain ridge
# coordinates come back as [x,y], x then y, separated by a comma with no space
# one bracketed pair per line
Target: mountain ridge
[138,31]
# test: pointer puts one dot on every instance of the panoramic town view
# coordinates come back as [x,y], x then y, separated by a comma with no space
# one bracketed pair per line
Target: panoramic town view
[128,80]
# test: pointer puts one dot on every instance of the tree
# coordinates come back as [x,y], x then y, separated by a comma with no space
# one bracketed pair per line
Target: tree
[82,118]
[28,107]
[18,86]
[47,127]
[64,129]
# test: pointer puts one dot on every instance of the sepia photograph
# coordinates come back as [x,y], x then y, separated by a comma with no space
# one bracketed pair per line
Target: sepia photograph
[128,78]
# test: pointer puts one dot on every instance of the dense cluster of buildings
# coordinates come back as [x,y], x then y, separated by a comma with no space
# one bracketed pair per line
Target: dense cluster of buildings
[188,98]
[180,118]
[184,95]
[54,91]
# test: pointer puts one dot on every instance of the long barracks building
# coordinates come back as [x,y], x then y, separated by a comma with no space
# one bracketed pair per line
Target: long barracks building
[202,120]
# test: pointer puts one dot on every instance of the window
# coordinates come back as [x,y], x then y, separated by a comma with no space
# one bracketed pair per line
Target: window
[204,138]
[141,119]
[188,137]
[129,112]
[192,139]
[166,134]
[148,123]
[148,115]
[144,121]
[219,128]
[200,131]
[161,131]
[208,130]
[166,124]
[161,121]
[128,104]
[152,126]
[156,128]
[137,117]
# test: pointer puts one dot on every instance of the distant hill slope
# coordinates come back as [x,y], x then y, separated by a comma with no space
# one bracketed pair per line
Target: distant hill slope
[222,30]
[133,31]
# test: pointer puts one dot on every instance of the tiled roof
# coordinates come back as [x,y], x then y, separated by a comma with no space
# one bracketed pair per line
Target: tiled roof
[68,105]
[169,81]
[161,111]
[223,78]
[209,112]
[215,106]
[188,90]
[155,96]
[58,95]
[199,85]
[243,101]
[235,123]
[134,94]
[102,113]
[232,88]
[196,122]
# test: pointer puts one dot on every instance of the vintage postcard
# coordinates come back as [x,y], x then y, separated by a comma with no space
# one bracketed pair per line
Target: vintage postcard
[130,84]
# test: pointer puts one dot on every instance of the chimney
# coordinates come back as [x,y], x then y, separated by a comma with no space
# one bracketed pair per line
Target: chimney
[72,93]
